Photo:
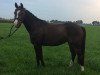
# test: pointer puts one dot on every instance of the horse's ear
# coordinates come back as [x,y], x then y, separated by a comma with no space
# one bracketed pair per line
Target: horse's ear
[16,5]
[21,5]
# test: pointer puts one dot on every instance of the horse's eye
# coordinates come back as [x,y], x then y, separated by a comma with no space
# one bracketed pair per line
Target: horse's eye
[22,13]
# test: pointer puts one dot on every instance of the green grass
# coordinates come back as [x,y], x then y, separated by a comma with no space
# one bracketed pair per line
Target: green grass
[17,56]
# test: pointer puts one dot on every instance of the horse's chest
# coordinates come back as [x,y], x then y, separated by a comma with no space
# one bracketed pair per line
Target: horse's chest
[36,37]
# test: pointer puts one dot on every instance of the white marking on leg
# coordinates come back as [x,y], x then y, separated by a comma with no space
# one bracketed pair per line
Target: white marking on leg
[82,68]
[16,22]
[71,63]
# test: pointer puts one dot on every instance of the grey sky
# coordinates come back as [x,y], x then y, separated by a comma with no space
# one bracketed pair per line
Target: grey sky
[64,10]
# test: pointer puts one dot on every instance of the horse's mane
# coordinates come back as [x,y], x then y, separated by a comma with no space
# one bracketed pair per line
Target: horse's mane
[34,17]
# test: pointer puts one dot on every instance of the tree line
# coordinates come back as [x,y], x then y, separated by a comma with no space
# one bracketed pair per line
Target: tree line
[3,20]
[80,22]
[56,21]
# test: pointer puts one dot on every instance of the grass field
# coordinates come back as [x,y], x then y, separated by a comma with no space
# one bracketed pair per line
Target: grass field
[17,56]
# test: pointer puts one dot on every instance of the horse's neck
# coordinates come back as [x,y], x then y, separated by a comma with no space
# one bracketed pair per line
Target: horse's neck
[30,23]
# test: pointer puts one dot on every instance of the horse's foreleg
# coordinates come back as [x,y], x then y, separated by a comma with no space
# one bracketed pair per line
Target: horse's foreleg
[73,54]
[39,55]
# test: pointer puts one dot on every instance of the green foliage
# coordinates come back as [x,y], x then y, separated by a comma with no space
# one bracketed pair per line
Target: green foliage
[17,56]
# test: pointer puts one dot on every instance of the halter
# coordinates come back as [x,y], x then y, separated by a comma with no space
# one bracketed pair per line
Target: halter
[10,33]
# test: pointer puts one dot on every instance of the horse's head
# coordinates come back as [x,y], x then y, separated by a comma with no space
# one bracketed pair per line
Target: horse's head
[19,15]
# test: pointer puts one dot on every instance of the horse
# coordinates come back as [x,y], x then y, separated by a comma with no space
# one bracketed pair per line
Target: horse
[43,33]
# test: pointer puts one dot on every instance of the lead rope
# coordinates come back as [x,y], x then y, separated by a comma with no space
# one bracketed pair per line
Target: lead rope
[10,33]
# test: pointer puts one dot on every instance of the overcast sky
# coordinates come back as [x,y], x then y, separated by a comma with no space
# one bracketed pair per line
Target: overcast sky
[64,10]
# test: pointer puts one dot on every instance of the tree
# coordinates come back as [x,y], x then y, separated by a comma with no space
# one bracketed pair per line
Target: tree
[96,23]
[79,22]
[56,21]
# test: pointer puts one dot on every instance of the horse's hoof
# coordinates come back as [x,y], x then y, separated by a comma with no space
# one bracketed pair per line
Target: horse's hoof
[82,68]
[71,63]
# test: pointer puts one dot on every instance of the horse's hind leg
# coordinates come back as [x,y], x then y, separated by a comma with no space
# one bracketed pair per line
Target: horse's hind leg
[39,55]
[73,54]
[80,55]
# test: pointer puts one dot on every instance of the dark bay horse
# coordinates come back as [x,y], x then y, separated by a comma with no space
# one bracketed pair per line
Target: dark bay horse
[46,34]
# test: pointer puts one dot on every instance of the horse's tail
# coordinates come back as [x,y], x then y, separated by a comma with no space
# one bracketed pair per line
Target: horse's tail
[84,39]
